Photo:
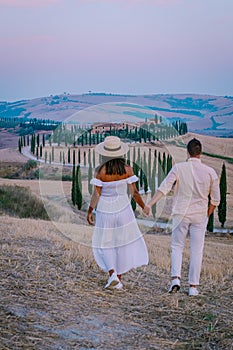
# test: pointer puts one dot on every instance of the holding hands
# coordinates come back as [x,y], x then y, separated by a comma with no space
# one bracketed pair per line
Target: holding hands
[157,196]
[147,210]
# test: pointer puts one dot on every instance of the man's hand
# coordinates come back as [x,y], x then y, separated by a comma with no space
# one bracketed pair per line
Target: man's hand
[146,210]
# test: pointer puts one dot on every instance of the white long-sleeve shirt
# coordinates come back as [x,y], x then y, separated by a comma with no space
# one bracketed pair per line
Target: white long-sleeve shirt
[194,181]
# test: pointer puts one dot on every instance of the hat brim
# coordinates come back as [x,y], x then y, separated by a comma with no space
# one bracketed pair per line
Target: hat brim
[114,154]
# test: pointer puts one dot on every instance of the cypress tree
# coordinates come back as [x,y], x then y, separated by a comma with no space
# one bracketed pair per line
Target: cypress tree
[59,137]
[66,137]
[38,140]
[210,225]
[164,164]
[84,158]
[79,156]
[145,183]
[134,154]
[153,186]
[141,175]
[89,178]
[43,140]
[133,204]
[19,145]
[78,185]
[222,208]
[169,163]
[68,156]
[160,177]
[73,188]
[145,170]
[136,172]
[136,134]
[139,157]
[41,151]
[90,137]
[50,140]
[46,157]
[149,166]
[93,157]
[128,157]
[33,143]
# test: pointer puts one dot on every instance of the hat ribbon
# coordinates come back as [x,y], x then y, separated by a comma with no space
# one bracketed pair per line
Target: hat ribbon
[112,149]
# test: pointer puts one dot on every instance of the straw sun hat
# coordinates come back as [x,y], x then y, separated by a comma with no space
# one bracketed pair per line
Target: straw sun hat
[112,147]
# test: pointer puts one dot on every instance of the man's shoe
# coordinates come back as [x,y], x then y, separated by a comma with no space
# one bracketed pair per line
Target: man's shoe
[193,292]
[112,281]
[175,286]
[118,286]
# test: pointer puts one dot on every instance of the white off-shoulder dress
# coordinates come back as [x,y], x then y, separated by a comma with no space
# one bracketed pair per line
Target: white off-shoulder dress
[117,241]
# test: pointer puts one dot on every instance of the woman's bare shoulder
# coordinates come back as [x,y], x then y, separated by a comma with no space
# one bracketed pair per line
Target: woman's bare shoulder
[129,170]
[99,171]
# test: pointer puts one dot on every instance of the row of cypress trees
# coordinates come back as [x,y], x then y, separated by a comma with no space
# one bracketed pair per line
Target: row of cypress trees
[78,135]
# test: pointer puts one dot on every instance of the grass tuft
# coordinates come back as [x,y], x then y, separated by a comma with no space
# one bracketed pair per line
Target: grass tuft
[19,201]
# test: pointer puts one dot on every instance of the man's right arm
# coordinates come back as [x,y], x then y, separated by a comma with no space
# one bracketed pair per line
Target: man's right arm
[214,194]
[163,189]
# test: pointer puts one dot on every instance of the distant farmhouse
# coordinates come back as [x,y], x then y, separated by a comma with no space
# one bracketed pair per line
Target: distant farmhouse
[101,128]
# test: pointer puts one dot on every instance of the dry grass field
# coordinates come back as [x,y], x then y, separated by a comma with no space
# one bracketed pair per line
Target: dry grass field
[52,295]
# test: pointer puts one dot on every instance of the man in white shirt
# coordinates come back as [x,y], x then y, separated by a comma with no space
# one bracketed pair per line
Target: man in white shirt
[193,182]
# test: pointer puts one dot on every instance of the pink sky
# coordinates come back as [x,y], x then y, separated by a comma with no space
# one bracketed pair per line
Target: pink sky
[130,46]
[27,3]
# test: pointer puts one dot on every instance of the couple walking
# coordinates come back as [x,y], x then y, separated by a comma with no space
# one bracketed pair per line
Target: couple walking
[118,244]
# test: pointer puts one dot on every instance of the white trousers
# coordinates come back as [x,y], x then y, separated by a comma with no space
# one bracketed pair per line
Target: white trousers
[180,228]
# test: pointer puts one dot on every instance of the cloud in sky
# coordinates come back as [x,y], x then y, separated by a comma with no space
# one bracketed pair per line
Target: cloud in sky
[27,3]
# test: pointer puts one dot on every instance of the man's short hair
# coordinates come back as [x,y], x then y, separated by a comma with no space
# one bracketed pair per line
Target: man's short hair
[194,147]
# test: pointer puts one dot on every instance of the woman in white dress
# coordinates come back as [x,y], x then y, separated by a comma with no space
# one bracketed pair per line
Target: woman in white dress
[117,242]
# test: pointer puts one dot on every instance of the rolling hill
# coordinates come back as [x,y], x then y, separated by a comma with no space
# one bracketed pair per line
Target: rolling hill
[206,114]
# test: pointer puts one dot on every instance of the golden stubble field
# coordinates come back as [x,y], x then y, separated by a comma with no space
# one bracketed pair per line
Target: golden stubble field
[52,293]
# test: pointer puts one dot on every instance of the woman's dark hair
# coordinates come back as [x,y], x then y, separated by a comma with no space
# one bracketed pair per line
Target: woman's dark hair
[113,166]
[194,147]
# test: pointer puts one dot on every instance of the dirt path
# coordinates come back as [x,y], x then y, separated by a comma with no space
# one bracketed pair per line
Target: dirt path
[52,297]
